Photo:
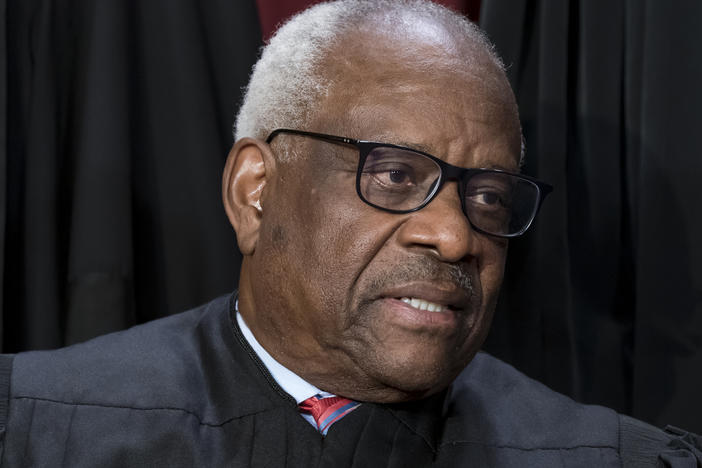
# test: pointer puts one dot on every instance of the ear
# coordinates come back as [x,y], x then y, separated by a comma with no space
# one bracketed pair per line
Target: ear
[243,181]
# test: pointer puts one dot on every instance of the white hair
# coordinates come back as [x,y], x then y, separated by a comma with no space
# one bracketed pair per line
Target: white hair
[288,79]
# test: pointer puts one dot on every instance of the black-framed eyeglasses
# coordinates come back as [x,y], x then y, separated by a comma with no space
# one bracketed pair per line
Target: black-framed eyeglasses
[401,180]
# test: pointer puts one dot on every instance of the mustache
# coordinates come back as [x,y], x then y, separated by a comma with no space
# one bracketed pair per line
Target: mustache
[425,269]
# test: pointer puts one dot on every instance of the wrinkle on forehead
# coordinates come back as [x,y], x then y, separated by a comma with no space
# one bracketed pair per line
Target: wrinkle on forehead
[425,63]
[421,43]
[402,61]
[359,115]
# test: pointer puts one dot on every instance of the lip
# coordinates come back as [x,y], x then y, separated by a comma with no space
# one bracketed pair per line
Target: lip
[457,303]
[405,316]
[448,295]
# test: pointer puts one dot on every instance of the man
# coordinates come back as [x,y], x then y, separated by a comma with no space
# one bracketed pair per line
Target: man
[373,188]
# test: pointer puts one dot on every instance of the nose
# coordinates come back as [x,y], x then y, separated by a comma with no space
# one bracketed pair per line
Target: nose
[442,227]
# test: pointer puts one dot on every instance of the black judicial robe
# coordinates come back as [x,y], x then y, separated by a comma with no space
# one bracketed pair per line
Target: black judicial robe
[187,390]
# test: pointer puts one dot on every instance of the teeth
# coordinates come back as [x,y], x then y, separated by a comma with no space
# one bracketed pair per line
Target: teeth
[421,304]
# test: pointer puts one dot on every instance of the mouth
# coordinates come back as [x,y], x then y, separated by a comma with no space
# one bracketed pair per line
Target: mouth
[421,315]
[422,304]
[424,290]
[428,307]
[432,297]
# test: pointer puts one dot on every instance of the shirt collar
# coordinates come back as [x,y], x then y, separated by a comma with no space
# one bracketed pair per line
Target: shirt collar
[289,381]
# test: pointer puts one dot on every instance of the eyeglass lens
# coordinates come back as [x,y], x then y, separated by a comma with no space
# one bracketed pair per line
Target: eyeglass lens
[404,180]
[398,179]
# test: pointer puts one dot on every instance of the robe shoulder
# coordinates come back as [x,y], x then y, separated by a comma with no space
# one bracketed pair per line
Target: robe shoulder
[521,412]
[168,363]
[521,418]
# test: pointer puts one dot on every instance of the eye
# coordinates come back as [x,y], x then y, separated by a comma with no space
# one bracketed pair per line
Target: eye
[489,198]
[392,175]
[397,176]
[397,179]
[486,198]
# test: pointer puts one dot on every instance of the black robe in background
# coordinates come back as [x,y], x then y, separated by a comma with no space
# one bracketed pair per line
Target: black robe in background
[188,390]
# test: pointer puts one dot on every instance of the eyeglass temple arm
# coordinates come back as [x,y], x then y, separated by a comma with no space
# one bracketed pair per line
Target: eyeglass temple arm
[321,136]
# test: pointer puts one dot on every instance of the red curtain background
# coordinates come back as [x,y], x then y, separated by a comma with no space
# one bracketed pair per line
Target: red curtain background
[273,12]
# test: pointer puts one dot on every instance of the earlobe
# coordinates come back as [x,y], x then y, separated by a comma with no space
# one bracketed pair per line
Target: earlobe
[243,181]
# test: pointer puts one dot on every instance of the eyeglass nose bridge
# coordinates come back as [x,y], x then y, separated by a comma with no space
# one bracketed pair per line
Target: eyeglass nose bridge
[448,173]
[441,180]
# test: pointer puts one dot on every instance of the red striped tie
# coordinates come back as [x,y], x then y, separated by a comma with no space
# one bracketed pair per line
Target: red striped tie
[327,411]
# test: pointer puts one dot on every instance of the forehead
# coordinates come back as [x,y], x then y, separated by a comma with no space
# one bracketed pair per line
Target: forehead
[423,95]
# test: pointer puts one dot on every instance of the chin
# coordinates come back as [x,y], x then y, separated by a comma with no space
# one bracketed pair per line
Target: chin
[415,377]
[402,390]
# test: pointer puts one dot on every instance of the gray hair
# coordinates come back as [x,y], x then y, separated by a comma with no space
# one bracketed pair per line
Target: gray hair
[287,81]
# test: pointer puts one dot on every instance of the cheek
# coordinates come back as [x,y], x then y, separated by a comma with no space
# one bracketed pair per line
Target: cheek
[340,246]
[491,268]
[327,235]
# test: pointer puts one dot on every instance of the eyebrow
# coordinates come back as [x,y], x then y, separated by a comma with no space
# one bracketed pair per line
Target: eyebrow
[425,149]
[500,167]
[415,146]
[388,139]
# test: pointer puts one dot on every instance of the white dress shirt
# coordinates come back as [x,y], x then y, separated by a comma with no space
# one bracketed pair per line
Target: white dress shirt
[289,381]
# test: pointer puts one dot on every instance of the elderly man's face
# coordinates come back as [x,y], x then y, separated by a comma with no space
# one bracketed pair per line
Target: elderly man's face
[329,273]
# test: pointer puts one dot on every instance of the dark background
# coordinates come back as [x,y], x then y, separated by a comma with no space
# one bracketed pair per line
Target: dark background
[115,121]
